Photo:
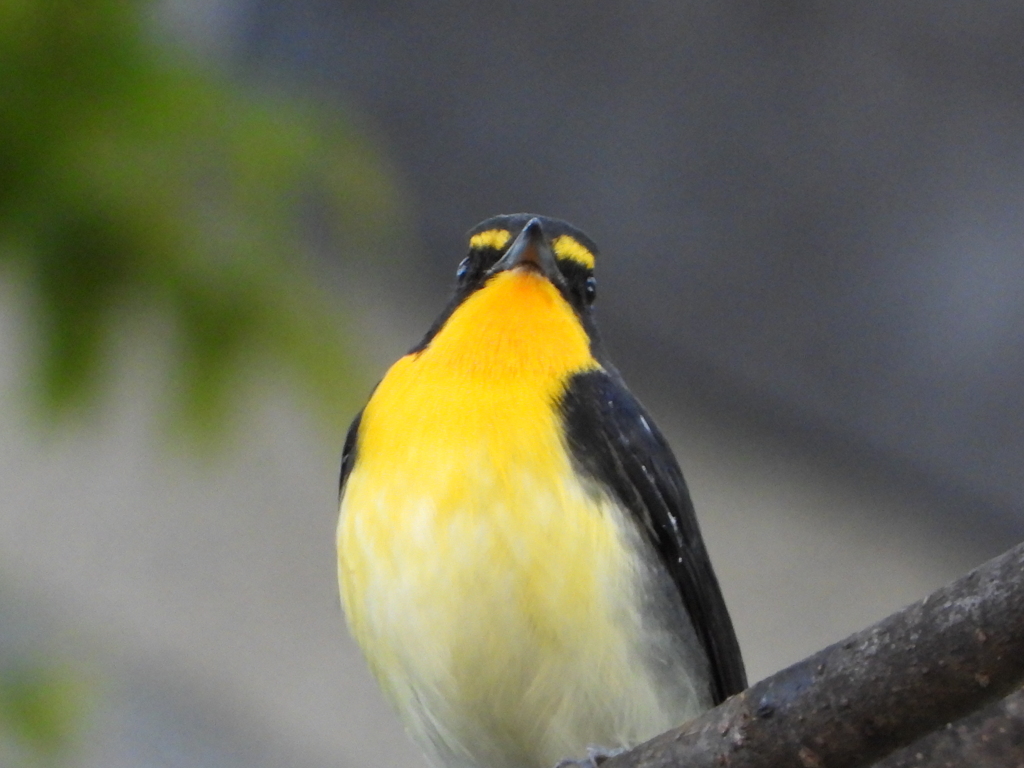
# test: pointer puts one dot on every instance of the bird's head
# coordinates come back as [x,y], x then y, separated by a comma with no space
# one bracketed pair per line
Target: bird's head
[527,283]
[555,249]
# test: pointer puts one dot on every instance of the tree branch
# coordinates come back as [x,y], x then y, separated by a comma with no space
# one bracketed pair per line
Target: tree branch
[992,737]
[882,688]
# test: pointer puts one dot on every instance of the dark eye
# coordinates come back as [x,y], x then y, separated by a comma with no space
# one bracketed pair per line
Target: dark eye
[463,270]
[590,290]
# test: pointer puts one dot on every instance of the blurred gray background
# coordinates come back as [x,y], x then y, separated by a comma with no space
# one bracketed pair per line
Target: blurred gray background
[812,271]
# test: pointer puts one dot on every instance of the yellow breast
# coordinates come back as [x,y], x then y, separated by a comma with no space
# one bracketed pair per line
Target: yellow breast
[491,589]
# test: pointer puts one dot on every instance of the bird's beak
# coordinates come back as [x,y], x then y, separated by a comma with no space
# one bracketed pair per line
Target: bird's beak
[531,248]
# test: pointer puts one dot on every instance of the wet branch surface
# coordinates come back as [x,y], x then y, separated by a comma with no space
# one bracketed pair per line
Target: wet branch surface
[881,689]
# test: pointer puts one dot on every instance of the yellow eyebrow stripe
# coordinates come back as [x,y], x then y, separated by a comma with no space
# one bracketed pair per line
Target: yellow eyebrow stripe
[491,238]
[566,247]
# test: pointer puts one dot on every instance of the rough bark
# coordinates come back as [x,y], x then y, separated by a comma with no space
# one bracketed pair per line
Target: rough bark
[993,737]
[881,689]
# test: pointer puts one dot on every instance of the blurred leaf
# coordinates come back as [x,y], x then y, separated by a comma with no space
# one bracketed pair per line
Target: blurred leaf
[137,185]
[41,711]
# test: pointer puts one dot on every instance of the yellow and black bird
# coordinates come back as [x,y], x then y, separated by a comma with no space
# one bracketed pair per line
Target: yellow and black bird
[518,554]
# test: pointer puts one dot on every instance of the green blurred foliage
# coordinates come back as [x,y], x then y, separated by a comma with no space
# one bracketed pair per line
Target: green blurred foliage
[42,709]
[134,185]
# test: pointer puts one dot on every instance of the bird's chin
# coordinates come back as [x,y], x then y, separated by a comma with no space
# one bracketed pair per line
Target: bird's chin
[520,269]
[529,266]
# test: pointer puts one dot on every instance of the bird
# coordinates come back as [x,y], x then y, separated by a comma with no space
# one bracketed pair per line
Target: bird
[518,556]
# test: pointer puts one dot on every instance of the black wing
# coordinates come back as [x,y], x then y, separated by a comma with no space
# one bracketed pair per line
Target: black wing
[614,441]
[348,453]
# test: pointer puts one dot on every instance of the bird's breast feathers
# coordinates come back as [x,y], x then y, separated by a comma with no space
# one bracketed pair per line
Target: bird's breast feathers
[496,592]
